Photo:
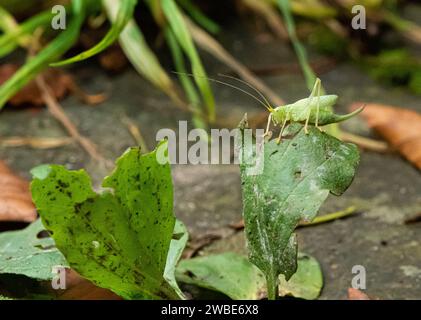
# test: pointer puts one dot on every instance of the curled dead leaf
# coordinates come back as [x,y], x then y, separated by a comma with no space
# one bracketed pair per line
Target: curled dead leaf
[400,127]
[15,197]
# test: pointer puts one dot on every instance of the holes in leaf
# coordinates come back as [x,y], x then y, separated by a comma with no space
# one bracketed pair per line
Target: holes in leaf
[177,236]
[44,234]
[297,174]
[45,248]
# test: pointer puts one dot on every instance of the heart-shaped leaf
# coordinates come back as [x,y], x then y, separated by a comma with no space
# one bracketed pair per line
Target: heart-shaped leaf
[119,240]
[178,243]
[296,178]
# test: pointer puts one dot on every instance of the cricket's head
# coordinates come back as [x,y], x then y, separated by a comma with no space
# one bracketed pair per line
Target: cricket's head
[279,114]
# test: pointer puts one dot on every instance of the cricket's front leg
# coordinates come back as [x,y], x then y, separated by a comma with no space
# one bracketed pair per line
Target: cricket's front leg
[268,126]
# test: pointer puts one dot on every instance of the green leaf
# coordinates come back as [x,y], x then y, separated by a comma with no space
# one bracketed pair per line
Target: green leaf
[236,277]
[300,51]
[228,273]
[178,243]
[118,239]
[186,82]
[124,15]
[296,179]
[50,53]
[194,11]
[306,283]
[24,252]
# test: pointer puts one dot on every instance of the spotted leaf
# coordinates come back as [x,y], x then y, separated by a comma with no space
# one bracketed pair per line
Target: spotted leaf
[119,239]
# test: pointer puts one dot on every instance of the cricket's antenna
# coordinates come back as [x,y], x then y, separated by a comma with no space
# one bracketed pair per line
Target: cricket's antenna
[250,86]
[266,105]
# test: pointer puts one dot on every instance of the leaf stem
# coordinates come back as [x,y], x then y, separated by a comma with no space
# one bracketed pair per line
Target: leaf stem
[272,286]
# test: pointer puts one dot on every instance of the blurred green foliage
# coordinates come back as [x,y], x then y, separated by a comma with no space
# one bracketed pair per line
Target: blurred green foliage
[396,67]
[329,33]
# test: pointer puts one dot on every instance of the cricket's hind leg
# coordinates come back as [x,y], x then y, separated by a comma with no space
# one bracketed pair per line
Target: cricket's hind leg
[307,120]
[318,109]
[314,92]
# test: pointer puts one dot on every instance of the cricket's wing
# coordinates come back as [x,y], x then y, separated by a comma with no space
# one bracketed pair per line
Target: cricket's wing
[300,108]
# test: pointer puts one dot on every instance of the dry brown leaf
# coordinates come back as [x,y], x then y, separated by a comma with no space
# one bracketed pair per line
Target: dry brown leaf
[59,82]
[400,127]
[79,288]
[355,294]
[15,197]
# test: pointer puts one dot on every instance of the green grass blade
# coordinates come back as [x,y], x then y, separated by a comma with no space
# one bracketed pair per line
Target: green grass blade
[124,15]
[185,79]
[300,51]
[199,17]
[141,56]
[182,34]
[10,40]
[50,53]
